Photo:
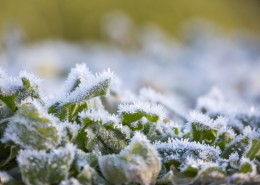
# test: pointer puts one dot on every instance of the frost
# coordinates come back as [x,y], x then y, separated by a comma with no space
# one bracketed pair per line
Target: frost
[143,106]
[41,167]
[251,133]
[99,116]
[77,75]
[204,121]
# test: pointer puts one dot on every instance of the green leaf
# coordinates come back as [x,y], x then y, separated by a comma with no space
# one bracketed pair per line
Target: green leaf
[41,167]
[10,100]
[203,133]
[69,107]
[107,140]
[246,168]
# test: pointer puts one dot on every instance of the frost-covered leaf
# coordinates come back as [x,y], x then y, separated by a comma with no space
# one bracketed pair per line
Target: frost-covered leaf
[69,131]
[175,152]
[41,167]
[68,106]
[89,176]
[225,138]
[238,145]
[14,90]
[101,132]
[204,129]
[79,74]
[83,159]
[138,114]
[139,163]
[254,147]
[161,131]
[247,166]
[5,111]
[247,145]
[32,128]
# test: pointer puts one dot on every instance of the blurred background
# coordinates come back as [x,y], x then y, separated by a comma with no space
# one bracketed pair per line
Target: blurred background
[79,20]
[180,46]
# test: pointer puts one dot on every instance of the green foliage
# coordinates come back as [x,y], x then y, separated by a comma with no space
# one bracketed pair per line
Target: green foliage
[74,140]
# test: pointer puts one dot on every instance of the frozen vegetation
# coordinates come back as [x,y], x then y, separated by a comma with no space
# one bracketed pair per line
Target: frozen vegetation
[92,133]
[177,113]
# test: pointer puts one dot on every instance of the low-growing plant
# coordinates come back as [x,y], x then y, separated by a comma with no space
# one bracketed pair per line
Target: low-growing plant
[78,137]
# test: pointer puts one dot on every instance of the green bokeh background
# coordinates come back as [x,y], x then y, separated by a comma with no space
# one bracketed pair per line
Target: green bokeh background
[78,20]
